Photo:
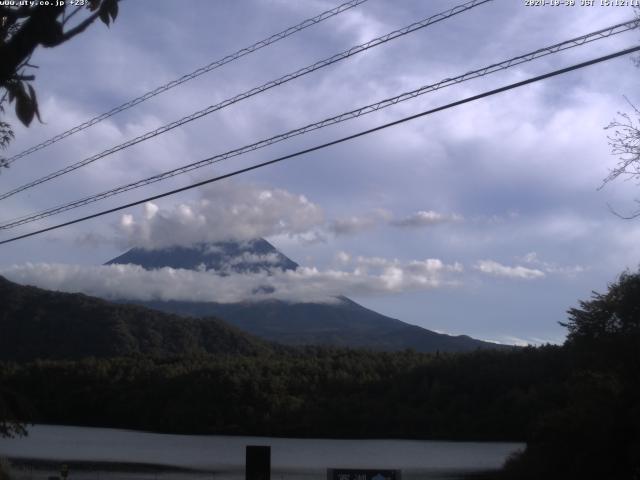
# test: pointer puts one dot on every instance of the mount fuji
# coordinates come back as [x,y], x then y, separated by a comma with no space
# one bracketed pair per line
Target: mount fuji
[342,323]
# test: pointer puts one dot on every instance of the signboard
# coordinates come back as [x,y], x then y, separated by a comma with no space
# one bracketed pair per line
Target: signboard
[362,474]
[258,462]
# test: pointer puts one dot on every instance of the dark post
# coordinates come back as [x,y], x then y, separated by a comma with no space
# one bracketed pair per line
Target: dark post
[258,463]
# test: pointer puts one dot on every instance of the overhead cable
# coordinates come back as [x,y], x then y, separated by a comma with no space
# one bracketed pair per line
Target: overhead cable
[190,76]
[527,57]
[254,91]
[328,144]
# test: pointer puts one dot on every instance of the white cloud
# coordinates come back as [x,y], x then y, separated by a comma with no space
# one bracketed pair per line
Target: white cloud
[533,259]
[491,267]
[425,218]
[357,224]
[343,257]
[235,211]
[224,212]
[527,341]
[378,276]
[530,257]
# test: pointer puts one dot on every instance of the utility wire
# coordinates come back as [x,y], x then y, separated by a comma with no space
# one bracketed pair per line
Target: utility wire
[254,91]
[597,35]
[334,142]
[190,76]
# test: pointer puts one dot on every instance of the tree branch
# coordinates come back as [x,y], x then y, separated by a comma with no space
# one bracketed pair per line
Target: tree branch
[40,28]
[70,16]
[624,217]
[81,27]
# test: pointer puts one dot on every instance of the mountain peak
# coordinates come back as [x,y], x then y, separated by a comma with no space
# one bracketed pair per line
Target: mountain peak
[251,256]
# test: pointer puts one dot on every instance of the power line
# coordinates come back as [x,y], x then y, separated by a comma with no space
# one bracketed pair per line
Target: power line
[190,76]
[334,142]
[574,42]
[254,91]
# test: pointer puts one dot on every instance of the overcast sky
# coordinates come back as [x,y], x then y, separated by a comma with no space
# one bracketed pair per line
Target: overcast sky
[484,219]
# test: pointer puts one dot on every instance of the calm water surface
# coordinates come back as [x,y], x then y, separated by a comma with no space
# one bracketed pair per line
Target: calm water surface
[222,457]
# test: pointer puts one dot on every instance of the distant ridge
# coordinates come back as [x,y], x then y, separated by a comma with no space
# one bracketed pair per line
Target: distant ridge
[343,323]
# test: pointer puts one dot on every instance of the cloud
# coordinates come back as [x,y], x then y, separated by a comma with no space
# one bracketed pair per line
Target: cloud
[224,212]
[343,258]
[549,267]
[491,267]
[305,284]
[237,211]
[527,341]
[351,225]
[424,218]
[252,258]
[357,224]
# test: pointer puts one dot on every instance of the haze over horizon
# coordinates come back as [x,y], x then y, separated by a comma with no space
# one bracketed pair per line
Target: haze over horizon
[484,220]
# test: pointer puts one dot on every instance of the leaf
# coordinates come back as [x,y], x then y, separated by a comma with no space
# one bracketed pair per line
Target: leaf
[34,102]
[111,7]
[104,15]
[24,105]
[24,110]
[114,9]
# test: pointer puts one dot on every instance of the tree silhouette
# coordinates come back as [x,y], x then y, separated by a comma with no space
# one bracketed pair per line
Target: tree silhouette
[596,433]
[12,414]
[612,314]
[23,28]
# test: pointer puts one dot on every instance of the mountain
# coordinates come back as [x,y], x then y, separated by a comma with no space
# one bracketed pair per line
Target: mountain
[240,257]
[343,323]
[36,323]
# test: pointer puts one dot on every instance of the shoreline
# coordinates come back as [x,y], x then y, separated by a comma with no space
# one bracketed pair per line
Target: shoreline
[105,466]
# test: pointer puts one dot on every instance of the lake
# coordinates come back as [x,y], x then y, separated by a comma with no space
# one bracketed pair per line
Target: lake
[102,453]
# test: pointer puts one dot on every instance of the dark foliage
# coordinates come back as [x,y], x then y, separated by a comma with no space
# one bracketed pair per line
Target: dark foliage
[596,432]
[309,392]
[14,413]
[23,28]
[36,323]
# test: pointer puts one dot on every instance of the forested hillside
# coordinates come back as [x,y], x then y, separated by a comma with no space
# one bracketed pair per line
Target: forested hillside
[313,392]
[41,324]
